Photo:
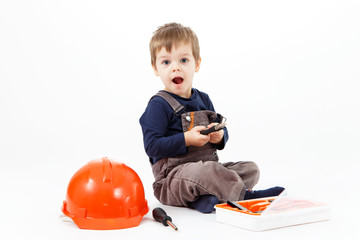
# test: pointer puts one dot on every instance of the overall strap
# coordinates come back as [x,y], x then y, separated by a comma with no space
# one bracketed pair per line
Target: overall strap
[175,105]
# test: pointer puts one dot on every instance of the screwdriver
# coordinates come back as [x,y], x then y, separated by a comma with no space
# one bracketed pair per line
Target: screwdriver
[160,215]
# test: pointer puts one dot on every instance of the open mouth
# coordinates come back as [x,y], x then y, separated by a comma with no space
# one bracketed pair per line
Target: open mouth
[178,80]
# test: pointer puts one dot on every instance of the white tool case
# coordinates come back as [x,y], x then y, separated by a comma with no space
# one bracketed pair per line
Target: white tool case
[270,213]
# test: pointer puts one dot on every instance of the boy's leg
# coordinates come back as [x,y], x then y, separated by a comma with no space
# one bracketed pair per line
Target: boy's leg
[187,182]
[270,192]
[248,171]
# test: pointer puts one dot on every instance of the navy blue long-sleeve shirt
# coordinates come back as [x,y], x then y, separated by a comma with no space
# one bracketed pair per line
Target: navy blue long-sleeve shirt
[162,129]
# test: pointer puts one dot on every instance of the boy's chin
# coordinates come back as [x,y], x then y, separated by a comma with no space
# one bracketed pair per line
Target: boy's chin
[182,93]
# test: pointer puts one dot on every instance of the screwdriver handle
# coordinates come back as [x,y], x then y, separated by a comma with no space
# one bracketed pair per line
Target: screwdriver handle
[160,215]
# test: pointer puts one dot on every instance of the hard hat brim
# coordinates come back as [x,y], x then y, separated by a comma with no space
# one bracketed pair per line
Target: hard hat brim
[106,223]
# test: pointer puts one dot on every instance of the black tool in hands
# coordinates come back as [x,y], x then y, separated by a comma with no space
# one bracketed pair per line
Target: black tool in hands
[213,129]
[160,215]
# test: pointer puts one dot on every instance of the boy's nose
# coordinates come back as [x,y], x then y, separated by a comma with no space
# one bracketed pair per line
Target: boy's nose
[175,67]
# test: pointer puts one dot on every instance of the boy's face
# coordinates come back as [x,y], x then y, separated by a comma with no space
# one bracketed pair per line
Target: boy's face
[176,69]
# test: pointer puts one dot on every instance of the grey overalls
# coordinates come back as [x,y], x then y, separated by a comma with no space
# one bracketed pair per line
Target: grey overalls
[182,179]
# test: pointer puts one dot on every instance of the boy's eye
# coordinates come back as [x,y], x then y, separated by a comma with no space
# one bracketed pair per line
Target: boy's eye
[166,62]
[184,60]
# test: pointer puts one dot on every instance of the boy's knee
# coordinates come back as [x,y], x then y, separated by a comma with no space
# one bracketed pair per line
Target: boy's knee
[254,168]
[254,173]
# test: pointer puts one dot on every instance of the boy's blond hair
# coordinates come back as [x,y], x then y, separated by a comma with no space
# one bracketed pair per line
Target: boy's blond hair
[173,33]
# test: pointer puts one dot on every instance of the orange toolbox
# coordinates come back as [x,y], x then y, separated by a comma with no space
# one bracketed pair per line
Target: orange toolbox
[270,213]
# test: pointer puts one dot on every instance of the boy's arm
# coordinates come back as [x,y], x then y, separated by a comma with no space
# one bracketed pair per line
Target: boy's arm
[220,138]
[222,143]
[159,141]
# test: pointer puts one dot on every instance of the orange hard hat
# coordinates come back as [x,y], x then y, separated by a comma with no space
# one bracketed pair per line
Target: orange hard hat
[105,194]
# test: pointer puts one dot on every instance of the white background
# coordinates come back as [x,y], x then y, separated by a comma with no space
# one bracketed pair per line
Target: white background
[75,77]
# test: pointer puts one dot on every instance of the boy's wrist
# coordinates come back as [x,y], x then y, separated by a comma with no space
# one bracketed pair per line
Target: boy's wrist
[188,140]
[218,142]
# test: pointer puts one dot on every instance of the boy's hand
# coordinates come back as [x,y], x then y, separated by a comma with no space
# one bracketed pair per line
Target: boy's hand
[216,137]
[195,138]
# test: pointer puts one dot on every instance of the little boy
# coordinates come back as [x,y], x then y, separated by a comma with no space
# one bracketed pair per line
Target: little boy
[184,161]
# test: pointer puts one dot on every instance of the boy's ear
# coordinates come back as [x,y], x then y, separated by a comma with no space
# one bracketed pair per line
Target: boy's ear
[197,67]
[155,70]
